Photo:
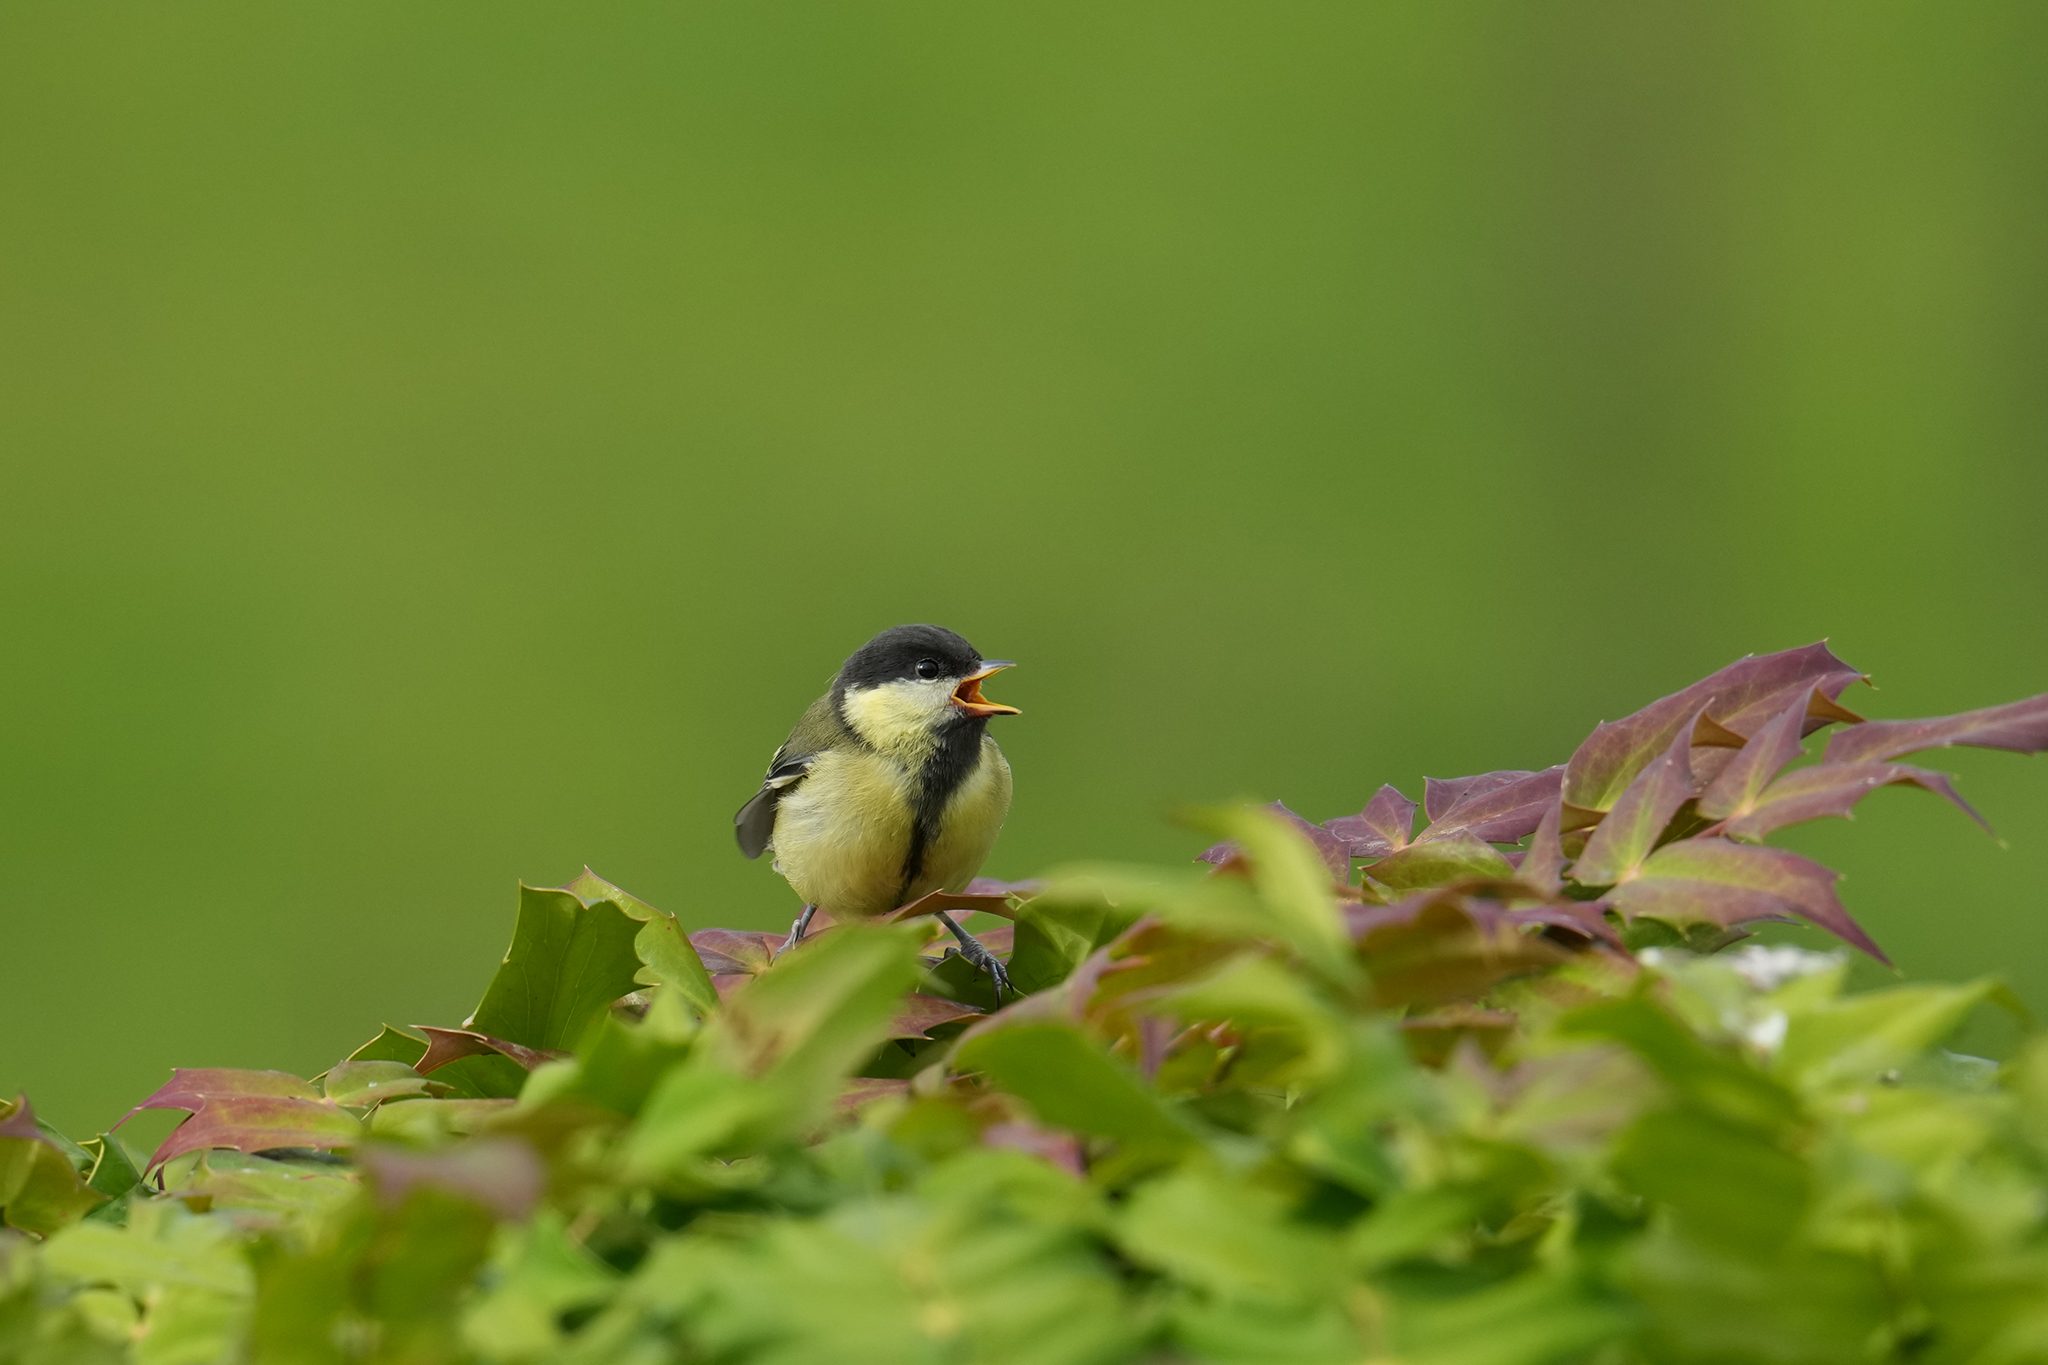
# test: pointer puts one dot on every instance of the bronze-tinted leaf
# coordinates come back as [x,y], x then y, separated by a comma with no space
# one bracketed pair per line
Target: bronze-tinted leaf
[1625,837]
[261,1123]
[1541,868]
[445,1045]
[1439,947]
[732,952]
[190,1088]
[1335,852]
[1439,862]
[1714,881]
[1737,786]
[919,1014]
[2020,726]
[1500,808]
[1738,698]
[1383,827]
[1828,789]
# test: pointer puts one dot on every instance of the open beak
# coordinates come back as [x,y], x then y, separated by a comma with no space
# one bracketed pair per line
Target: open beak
[967,696]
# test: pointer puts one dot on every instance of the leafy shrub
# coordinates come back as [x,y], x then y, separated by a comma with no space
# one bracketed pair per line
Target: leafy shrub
[1486,1092]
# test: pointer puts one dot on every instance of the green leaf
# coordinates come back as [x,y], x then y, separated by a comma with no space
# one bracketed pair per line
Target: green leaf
[1440,862]
[359,1084]
[40,1190]
[1293,881]
[1226,1235]
[1858,1039]
[1071,1083]
[568,962]
[663,948]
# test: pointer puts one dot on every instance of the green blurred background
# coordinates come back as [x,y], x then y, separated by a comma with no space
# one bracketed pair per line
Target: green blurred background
[449,444]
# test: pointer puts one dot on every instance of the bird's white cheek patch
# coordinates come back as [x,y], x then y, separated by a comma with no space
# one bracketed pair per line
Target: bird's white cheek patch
[899,717]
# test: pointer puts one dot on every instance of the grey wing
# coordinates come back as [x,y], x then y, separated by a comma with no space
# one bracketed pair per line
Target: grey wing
[756,820]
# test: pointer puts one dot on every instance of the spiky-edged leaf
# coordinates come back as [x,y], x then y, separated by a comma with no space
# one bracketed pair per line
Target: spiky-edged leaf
[568,962]
[2020,726]
[1715,881]
[1833,789]
[1384,826]
[1628,832]
[1501,808]
[1735,699]
[1742,780]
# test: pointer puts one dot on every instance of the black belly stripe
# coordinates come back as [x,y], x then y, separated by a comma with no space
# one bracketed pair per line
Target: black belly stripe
[951,763]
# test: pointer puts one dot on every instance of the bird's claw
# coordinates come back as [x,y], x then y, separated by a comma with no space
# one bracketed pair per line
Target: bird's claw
[982,960]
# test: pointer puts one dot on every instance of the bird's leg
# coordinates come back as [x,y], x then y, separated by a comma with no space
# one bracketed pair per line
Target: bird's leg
[796,931]
[981,958]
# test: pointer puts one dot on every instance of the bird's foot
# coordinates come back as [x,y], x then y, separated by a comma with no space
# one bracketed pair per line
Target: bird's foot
[981,959]
[796,930]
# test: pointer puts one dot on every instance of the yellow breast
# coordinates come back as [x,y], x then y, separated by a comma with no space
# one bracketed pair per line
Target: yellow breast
[843,833]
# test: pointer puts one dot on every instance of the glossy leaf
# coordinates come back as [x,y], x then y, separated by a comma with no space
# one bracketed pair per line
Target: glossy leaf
[1713,881]
[568,962]
[2020,726]
[261,1123]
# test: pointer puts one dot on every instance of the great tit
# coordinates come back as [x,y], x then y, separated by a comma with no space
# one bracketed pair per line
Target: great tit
[890,786]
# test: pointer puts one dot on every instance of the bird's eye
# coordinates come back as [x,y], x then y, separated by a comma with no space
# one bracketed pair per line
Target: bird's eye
[928,669]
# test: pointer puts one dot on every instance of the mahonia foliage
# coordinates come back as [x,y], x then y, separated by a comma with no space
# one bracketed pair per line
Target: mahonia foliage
[1503,1087]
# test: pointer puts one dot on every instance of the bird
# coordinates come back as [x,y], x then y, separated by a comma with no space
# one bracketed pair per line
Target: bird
[890,787]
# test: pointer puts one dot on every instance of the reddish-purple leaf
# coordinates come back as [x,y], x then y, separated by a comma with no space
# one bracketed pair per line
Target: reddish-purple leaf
[1738,698]
[191,1088]
[1828,789]
[502,1175]
[1438,862]
[1738,784]
[729,952]
[1334,852]
[1500,808]
[919,1014]
[1628,832]
[445,1045]
[1714,881]
[259,1123]
[1383,827]
[2021,726]
[1542,866]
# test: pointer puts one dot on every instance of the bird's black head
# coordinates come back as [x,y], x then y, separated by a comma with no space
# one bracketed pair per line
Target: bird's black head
[911,683]
[909,654]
